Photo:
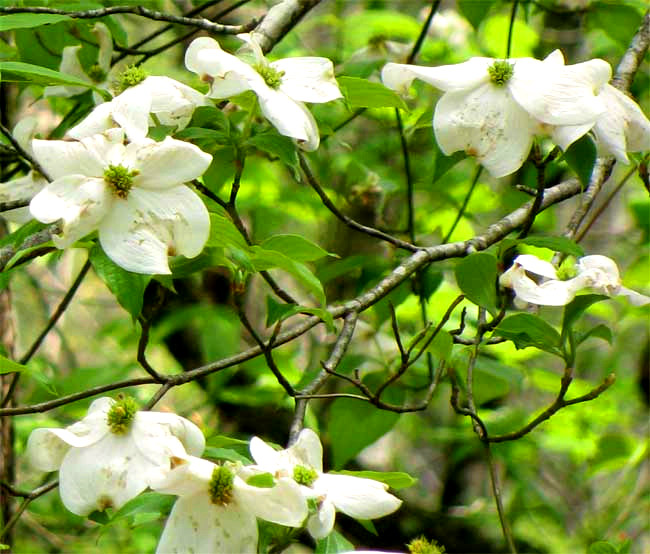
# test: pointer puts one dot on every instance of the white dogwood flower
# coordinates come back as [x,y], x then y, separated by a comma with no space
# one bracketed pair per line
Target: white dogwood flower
[216,510]
[623,127]
[357,497]
[597,273]
[132,194]
[145,101]
[281,86]
[25,187]
[492,109]
[104,459]
[100,74]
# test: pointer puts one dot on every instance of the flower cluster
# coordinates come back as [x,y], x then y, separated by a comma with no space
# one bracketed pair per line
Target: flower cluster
[492,109]
[116,452]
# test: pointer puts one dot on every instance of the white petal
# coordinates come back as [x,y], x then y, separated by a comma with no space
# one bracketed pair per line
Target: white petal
[560,95]
[142,230]
[131,111]
[308,449]
[22,188]
[108,473]
[357,497]
[61,158]
[308,79]
[462,76]
[195,525]
[633,297]
[555,58]
[97,121]
[321,523]
[565,135]
[535,265]
[105,43]
[24,132]
[70,65]
[486,123]
[183,429]
[172,102]
[190,476]
[80,202]
[550,293]
[283,504]
[253,46]
[168,163]
[289,117]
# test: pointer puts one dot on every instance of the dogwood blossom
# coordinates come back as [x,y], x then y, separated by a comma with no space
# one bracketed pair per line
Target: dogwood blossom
[132,194]
[492,109]
[303,461]
[103,460]
[216,510]
[623,127]
[99,75]
[25,187]
[281,86]
[144,101]
[598,273]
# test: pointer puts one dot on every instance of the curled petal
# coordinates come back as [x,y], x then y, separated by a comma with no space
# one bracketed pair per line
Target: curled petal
[77,200]
[184,430]
[462,76]
[308,79]
[24,132]
[321,523]
[172,102]
[308,449]
[550,293]
[130,110]
[97,121]
[283,503]
[189,476]
[633,297]
[105,42]
[167,164]
[290,118]
[536,266]
[142,230]
[357,497]
[197,525]
[565,135]
[486,123]
[70,65]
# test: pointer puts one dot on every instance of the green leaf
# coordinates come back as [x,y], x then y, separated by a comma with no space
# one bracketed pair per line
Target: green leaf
[360,93]
[441,345]
[296,247]
[276,145]
[443,163]
[225,454]
[557,244]
[476,276]
[277,311]
[394,479]
[581,157]
[29,20]
[224,233]
[9,366]
[210,117]
[148,502]
[617,19]
[264,259]
[601,547]
[199,133]
[474,10]
[261,480]
[529,330]
[333,544]
[20,71]
[574,309]
[127,287]
[600,331]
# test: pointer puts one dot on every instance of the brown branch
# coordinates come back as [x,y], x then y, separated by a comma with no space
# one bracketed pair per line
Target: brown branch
[279,20]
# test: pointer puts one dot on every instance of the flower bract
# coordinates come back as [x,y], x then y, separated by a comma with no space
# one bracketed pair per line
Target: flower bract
[217,510]
[281,86]
[132,194]
[103,460]
[597,273]
[492,109]
[355,496]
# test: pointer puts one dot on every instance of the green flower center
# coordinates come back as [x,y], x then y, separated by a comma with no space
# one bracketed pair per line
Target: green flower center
[221,486]
[97,74]
[423,546]
[131,76]
[121,415]
[272,77]
[120,179]
[304,475]
[500,72]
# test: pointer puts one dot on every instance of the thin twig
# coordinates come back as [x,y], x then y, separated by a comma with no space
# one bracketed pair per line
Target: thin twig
[36,493]
[199,23]
[511,27]
[466,200]
[142,348]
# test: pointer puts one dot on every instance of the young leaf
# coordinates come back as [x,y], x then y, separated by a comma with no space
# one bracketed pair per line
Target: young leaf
[529,330]
[476,277]
[576,308]
[360,93]
[394,479]
[474,11]
[20,71]
[600,331]
[9,366]
[333,544]
[29,20]
[581,157]
[276,145]
[127,287]
[296,247]
[261,480]
[557,244]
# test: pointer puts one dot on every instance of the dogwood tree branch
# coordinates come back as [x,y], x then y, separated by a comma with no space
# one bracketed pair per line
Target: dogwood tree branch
[279,20]
[631,60]
[199,23]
